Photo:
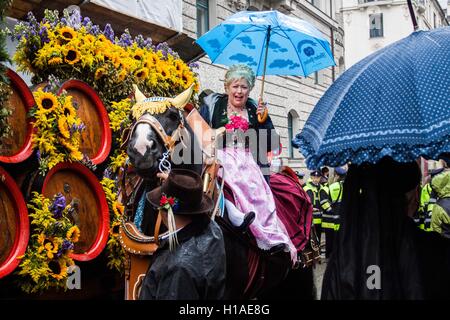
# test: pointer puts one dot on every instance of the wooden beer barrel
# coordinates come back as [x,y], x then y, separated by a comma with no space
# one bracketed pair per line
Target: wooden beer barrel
[96,139]
[81,188]
[18,147]
[14,224]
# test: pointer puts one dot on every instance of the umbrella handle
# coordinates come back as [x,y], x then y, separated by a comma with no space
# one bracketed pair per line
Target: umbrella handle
[263,117]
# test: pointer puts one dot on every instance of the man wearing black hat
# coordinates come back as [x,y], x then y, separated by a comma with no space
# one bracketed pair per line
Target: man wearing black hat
[190,263]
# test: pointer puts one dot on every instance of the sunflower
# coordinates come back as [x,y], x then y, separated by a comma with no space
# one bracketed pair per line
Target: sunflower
[69,110]
[141,74]
[49,245]
[187,79]
[122,75]
[72,56]
[118,208]
[45,101]
[114,228]
[55,60]
[67,33]
[73,234]
[58,268]
[100,72]
[63,127]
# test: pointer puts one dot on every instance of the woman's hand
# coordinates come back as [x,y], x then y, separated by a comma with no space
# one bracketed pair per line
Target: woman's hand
[262,111]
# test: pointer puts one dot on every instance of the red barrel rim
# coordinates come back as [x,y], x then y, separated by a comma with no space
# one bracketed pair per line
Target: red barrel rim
[102,207]
[27,96]
[21,237]
[106,137]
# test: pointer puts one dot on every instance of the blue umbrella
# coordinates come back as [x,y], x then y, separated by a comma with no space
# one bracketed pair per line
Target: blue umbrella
[269,42]
[395,102]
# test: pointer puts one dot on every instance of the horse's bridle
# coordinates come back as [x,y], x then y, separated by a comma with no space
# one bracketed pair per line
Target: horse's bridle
[168,141]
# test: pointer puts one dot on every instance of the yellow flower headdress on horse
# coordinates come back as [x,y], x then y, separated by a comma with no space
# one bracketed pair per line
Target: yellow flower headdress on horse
[158,105]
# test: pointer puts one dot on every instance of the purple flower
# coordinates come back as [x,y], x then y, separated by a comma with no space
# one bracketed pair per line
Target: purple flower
[75,19]
[86,21]
[64,21]
[38,155]
[107,173]
[194,65]
[58,205]
[43,34]
[95,30]
[125,39]
[109,32]
[67,245]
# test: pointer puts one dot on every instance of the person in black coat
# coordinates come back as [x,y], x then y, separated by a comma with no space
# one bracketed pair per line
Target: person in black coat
[190,264]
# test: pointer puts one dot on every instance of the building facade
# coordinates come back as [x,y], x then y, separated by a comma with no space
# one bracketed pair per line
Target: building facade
[370,24]
[290,99]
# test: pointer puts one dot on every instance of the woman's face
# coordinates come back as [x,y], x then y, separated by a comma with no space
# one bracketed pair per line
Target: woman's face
[238,91]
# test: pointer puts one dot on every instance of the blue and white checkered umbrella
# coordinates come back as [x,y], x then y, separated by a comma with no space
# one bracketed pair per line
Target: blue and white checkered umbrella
[395,102]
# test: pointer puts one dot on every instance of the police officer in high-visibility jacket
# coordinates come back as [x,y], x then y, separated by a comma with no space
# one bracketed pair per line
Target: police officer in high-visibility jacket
[425,195]
[428,206]
[336,190]
[312,188]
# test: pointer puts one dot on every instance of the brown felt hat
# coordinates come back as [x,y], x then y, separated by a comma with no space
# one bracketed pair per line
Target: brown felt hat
[187,187]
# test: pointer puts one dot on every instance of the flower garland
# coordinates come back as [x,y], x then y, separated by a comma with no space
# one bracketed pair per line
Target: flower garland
[119,114]
[5,90]
[116,254]
[45,263]
[73,47]
[58,129]
[5,112]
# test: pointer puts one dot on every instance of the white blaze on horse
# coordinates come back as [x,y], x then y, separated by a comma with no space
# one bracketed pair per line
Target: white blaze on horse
[161,138]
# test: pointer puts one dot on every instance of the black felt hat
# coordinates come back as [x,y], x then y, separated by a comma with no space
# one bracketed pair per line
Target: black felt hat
[186,187]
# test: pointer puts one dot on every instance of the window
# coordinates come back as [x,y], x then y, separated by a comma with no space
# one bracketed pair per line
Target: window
[434,20]
[202,17]
[290,135]
[376,25]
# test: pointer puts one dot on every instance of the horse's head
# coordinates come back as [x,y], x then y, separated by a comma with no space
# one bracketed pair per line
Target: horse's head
[160,126]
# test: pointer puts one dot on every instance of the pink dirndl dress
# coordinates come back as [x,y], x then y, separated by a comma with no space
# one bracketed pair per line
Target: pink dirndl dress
[252,193]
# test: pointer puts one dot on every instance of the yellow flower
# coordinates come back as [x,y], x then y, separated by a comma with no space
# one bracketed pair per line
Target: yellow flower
[55,60]
[46,101]
[69,110]
[100,72]
[51,246]
[118,208]
[114,228]
[72,56]
[67,33]
[58,269]
[141,74]
[63,127]
[73,234]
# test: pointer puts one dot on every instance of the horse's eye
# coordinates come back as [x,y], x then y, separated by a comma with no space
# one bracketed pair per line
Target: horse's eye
[173,116]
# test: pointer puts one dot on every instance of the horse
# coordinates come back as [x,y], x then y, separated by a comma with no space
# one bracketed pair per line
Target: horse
[151,144]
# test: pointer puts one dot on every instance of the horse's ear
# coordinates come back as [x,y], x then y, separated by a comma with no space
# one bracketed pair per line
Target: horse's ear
[138,95]
[183,98]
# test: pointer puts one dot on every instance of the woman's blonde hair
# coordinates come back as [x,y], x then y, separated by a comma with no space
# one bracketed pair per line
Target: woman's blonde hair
[240,71]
